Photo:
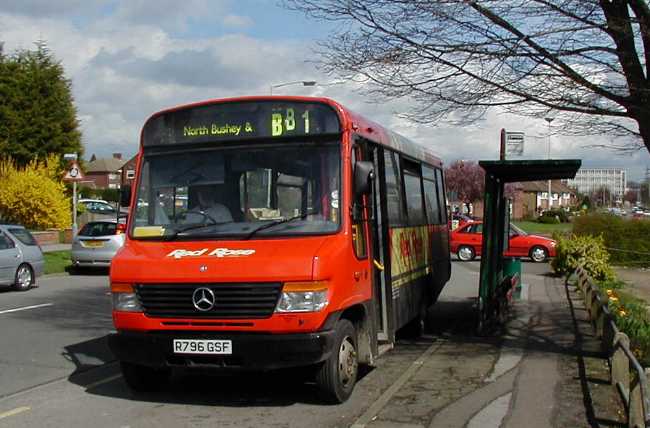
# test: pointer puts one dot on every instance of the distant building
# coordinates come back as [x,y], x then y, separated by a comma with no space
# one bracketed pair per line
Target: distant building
[531,197]
[588,180]
[128,170]
[105,173]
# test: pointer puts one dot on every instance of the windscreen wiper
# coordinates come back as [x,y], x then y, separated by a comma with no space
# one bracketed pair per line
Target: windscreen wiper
[175,232]
[276,222]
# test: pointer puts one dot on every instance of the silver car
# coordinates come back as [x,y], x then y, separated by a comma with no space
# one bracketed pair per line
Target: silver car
[21,259]
[96,244]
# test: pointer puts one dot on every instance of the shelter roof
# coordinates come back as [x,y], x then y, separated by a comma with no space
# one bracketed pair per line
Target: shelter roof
[509,171]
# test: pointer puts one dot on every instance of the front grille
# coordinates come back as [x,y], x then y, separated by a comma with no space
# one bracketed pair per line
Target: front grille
[232,300]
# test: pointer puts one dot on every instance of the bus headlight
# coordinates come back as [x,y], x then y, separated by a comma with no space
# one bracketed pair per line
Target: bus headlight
[308,296]
[124,298]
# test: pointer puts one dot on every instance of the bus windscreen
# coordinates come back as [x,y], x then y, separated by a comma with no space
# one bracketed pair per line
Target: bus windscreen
[240,120]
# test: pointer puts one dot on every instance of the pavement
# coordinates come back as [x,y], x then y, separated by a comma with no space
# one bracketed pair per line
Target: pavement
[544,369]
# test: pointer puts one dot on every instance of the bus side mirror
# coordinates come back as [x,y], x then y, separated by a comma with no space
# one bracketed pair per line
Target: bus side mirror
[125,195]
[364,172]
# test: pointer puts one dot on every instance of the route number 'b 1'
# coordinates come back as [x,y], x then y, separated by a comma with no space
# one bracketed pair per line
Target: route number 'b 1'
[281,124]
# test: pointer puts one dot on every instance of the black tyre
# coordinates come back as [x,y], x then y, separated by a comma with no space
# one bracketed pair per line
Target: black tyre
[337,376]
[144,379]
[466,253]
[24,278]
[538,254]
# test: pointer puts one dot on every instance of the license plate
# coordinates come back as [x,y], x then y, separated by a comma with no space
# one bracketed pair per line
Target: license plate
[210,347]
[93,244]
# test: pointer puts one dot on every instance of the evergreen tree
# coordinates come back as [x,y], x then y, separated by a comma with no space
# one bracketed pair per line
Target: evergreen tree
[37,113]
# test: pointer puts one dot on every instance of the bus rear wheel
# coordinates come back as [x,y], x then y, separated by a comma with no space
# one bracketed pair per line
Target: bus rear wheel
[337,376]
[144,379]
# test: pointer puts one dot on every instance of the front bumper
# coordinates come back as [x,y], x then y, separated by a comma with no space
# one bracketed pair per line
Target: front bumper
[251,351]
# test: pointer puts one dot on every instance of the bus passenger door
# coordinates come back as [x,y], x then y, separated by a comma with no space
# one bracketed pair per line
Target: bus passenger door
[378,243]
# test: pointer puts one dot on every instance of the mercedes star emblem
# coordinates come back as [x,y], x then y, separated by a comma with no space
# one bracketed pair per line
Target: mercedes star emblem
[203,299]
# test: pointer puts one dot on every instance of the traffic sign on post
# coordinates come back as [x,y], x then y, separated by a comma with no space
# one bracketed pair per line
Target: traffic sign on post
[74,175]
[74,172]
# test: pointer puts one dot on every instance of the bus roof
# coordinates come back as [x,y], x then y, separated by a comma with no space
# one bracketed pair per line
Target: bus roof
[350,121]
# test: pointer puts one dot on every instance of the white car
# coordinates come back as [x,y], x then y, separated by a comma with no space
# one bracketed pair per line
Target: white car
[96,244]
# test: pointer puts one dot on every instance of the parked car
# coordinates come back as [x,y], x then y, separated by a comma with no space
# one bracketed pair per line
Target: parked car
[466,241]
[21,258]
[96,244]
[98,206]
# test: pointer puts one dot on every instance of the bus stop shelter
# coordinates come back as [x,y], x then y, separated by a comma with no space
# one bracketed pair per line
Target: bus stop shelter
[497,278]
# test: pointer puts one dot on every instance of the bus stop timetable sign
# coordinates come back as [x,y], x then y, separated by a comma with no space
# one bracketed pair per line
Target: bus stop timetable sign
[514,143]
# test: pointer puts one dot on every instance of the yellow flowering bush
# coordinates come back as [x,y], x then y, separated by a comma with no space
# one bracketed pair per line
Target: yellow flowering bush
[34,195]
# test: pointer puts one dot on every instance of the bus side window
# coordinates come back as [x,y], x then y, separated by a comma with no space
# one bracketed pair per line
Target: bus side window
[413,193]
[396,214]
[442,201]
[431,195]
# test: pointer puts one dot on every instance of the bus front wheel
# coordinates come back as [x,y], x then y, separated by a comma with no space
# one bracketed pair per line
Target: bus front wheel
[337,376]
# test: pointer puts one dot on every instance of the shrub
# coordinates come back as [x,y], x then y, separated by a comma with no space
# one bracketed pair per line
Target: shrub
[627,240]
[33,195]
[554,216]
[548,220]
[586,250]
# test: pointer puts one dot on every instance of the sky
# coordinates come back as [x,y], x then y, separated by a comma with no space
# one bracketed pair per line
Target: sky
[129,59]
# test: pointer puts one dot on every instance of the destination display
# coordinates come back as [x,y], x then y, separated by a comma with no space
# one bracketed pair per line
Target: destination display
[241,120]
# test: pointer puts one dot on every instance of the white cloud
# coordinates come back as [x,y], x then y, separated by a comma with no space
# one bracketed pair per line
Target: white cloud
[126,65]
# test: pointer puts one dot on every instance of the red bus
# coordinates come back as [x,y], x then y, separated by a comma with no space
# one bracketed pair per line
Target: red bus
[275,232]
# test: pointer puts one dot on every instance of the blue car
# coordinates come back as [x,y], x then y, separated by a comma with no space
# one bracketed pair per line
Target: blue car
[21,259]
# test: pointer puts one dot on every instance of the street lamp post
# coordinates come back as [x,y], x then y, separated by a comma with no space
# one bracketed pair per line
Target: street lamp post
[298,82]
[548,156]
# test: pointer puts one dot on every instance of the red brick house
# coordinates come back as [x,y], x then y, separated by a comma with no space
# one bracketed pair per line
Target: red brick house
[105,173]
[128,170]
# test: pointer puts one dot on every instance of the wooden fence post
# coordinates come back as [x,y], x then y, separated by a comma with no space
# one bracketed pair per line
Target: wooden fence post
[620,364]
[637,407]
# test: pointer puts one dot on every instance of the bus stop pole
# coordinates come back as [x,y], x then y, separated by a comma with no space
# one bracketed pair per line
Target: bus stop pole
[74,208]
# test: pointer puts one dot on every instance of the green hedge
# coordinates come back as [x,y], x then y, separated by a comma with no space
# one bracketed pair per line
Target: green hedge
[627,240]
[554,216]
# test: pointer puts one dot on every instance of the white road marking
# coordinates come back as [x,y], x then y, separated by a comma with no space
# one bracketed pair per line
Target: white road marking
[379,404]
[24,308]
[103,381]
[13,412]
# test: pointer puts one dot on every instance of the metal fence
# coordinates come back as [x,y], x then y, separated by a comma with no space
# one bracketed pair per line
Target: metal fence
[627,375]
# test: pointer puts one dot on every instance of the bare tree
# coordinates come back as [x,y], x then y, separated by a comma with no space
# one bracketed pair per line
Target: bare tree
[586,62]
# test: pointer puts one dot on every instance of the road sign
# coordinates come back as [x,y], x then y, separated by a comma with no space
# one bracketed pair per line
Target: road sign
[514,143]
[73,173]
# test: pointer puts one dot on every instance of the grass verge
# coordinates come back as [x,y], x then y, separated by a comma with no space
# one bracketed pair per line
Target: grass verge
[56,261]
[544,229]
